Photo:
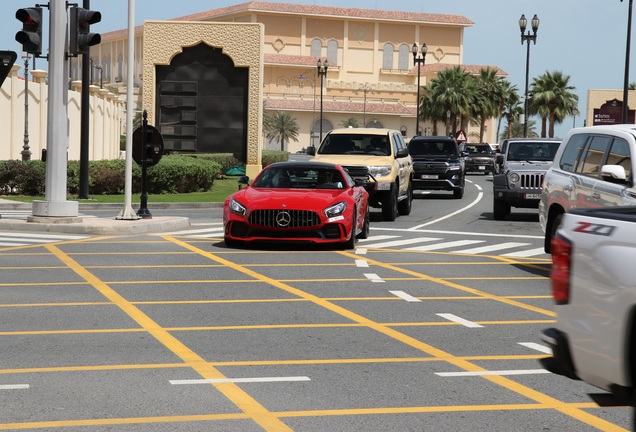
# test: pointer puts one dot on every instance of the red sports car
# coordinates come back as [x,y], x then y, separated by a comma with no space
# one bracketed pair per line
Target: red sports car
[298,201]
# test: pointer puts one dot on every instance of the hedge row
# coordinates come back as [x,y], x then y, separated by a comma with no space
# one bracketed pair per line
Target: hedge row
[173,174]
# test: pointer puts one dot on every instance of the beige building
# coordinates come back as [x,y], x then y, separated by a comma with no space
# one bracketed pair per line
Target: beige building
[371,75]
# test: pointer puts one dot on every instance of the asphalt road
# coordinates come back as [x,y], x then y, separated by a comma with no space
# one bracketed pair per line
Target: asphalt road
[431,324]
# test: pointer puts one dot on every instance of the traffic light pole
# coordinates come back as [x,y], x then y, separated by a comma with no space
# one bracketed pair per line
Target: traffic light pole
[84,121]
[55,203]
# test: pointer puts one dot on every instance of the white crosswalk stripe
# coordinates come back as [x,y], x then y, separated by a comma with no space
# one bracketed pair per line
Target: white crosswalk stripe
[420,244]
[9,239]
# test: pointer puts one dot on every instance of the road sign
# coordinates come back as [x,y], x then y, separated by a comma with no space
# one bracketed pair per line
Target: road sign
[153,143]
[460,137]
[7,58]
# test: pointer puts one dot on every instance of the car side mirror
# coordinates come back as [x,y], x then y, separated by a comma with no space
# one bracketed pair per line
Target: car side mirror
[403,152]
[243,181]
[499,158]
[359,182]
[311,150]
[613,173]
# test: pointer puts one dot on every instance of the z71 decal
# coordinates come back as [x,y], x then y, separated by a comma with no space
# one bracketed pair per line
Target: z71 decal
[594,228]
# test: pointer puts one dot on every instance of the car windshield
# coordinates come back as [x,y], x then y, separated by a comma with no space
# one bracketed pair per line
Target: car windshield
[300,178]
[483,149]
[535,151]
[375,145]
[433,148]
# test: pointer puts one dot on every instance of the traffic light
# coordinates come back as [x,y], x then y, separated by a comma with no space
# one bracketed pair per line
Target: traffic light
[80,36]
[31,34]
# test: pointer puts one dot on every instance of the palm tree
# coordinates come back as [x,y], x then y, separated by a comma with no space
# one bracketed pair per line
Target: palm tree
[510,97]
[552,99]
[488,95]
[451,93]
[515,129]
[281,127]
[350,122]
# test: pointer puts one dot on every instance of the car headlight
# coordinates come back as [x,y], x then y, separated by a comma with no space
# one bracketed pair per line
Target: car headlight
[237,208]
[513,177]
[454,168]
[380,171]
[336,209]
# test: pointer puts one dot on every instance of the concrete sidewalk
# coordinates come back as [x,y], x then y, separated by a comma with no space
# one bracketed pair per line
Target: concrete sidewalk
[95,225]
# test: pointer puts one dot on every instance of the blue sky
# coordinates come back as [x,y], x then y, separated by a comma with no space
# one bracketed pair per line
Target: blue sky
[582,38]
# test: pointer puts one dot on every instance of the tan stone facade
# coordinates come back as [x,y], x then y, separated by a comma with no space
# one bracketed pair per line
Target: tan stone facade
[371,75]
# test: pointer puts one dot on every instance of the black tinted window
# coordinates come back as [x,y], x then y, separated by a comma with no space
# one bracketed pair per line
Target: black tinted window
[591,162]
[572,152]
[432,148]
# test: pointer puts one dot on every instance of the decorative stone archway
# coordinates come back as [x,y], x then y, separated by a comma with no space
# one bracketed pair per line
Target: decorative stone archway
[242,42]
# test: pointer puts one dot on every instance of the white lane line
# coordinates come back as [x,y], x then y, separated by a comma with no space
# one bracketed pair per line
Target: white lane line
[239,380]
[401,242]
[488,373]
[526,253]
[14,386]
[446,245]
[536,346]
[27,240]
[458,320]
[479,196]
[374,277]
[378,238]
[362,263]
[492,248]
[195,231]
[405,296]
[12,244]
[361,251]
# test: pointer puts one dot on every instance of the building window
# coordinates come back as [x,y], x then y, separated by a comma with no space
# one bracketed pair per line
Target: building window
[332,51]
[403,57]
[387,61]
[316,48]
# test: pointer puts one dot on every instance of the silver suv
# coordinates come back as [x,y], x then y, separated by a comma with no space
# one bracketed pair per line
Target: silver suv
[523,163]
[592,168]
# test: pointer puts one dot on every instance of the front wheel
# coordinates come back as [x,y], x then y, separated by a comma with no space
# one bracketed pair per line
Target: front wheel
[390,205]
[365,228]
[500,209]
[351,242]
[404,206]
[458,193]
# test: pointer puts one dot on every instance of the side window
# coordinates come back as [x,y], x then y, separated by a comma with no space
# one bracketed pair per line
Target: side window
[396,146]
[332,51]
[619,155]
[387,56]
[316,48]
[593,159]
[572,152]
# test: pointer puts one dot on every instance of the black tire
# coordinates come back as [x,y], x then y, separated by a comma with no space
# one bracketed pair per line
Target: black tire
[404,206]
[500,209]
[365,229]
[458,193]
[390,205]
[351,243]
[550,231]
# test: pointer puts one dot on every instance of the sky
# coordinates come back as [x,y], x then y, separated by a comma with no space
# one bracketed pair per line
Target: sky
[585,39]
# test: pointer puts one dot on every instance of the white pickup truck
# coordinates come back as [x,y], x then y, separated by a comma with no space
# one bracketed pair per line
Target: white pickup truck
[594,287]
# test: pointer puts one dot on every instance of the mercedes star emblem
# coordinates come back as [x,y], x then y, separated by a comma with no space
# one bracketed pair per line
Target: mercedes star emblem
[283,219]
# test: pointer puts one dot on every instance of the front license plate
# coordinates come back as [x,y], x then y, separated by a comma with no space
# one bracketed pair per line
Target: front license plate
[481,167]
[429,176]
[532,196]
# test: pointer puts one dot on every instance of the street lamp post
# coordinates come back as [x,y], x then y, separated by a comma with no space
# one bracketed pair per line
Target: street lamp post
[523,22]
[322,71]
[301,78]
[626,82]
[418,59]
[26,152]
[365,87]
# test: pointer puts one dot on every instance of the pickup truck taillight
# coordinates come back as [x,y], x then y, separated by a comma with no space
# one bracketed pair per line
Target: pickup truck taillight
[560,273]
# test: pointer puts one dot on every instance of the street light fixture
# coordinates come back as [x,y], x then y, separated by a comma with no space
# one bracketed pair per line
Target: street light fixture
[523,22]
[365,87]
[26,152]
[418,59]
[322,71]
[626,82]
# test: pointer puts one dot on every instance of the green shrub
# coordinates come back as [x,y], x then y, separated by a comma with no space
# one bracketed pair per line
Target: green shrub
[22,177]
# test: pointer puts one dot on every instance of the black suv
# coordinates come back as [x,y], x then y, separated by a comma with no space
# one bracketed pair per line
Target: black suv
[437,164]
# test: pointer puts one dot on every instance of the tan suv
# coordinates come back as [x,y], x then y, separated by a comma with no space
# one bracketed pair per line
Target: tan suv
[378,155]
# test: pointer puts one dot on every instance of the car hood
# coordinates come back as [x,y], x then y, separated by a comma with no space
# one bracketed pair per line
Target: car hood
[528,165]
[292,199]
[353,159]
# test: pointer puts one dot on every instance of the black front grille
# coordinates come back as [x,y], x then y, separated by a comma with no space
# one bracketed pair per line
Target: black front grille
[430,167]
[357,170]
[284,218]
[531,180]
